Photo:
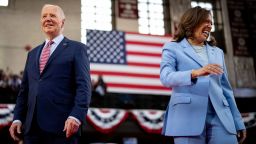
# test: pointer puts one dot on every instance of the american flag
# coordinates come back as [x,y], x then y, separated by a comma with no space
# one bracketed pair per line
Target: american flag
[128,62]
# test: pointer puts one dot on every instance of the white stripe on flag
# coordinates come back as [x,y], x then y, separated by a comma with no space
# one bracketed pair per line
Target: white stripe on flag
[147,38]
[141,48]
[144,59]
[124,68]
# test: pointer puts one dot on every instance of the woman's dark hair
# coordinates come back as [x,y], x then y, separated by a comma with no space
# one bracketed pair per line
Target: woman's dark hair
[189,21]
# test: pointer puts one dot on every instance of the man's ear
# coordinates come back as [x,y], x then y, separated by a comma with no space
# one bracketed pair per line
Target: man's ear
[63,22]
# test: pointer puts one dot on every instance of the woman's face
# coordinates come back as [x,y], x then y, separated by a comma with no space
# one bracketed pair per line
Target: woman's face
[202,31]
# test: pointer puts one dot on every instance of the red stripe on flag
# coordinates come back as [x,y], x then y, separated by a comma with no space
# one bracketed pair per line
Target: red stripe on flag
[145,43]
[124,74]
[137,86]
[143,54]
[143,64]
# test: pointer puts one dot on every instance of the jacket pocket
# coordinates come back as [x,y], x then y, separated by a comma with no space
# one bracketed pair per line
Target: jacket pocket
[181,100]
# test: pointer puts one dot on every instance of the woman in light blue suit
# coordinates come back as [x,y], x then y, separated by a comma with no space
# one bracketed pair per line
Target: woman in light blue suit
[202,108]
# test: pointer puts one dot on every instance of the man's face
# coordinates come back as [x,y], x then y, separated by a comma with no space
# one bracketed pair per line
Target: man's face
[51,21]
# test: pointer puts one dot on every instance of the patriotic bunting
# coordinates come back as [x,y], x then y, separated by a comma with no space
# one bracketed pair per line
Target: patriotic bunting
[150,120]
[6,114]
[106,120]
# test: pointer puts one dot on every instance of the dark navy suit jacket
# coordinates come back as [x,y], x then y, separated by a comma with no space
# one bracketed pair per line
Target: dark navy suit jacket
[63,89]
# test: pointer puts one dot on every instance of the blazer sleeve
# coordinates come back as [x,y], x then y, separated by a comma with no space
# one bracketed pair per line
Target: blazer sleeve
[83,84]
[229,95]
[169,75]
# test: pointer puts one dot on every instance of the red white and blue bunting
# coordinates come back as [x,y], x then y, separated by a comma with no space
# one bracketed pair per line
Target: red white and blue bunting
[6,114]
[106,120]
[150,120]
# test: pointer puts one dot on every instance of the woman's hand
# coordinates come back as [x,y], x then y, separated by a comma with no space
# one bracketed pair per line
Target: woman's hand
[207,70]
[241,135]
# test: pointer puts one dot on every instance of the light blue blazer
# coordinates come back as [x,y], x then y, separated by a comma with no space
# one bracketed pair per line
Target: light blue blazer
[187,109]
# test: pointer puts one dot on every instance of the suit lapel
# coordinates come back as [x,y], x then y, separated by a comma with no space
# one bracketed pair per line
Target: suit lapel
[191,52]
[63,44]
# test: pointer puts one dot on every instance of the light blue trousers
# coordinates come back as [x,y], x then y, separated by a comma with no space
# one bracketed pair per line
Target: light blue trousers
[214,133]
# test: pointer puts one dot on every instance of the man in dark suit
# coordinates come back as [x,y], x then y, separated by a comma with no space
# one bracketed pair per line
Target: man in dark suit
[56,87]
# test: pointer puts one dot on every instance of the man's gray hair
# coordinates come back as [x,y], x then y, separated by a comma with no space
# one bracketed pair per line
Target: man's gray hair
[62,15]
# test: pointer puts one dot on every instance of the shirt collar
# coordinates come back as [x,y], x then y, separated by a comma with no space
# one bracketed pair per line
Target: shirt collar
[56,40]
